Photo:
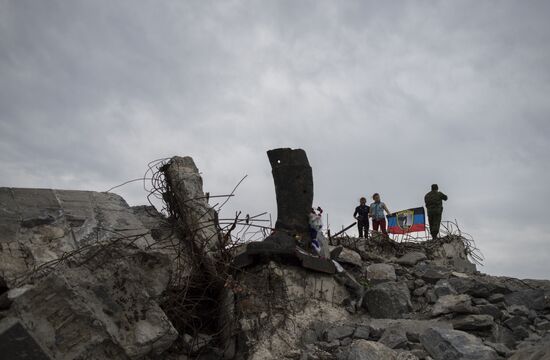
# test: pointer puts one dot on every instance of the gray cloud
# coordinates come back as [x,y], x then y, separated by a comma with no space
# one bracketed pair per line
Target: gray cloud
[384,97]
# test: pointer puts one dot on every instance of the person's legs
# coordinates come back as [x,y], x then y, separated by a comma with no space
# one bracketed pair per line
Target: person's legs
[431,221]
[360,228]
[436,217]
[375,225]
[312,233]
[383,226]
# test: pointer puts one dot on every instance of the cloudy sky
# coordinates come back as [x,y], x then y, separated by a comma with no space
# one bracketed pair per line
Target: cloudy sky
[385,97]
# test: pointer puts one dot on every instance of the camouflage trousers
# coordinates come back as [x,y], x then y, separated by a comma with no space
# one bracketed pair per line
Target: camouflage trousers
[434,218]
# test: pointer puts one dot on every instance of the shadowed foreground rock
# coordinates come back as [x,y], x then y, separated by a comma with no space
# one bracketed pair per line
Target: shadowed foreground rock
[82,282]
[17,343]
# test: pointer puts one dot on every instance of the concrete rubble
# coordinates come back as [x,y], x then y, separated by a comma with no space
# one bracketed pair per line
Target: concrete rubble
[75,304]
[85,276]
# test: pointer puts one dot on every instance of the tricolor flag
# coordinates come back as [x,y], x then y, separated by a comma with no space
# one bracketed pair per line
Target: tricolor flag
[406,221]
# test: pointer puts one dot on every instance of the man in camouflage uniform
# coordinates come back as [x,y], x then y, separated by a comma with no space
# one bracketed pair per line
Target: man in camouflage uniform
[434,205]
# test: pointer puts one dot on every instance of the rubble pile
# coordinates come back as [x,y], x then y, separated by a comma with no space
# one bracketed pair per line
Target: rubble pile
[415,307]
[81,278]
[412,304]
[85,276]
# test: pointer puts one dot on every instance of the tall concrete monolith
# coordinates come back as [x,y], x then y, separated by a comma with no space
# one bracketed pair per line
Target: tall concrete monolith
[294,190]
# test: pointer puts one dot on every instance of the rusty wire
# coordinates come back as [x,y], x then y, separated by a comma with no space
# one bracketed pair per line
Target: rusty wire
[192,298]
[449,231]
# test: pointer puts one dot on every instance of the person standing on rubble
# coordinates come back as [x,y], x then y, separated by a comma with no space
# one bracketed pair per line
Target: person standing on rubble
[377,209]
[318,241]
[361,214]
[434,204]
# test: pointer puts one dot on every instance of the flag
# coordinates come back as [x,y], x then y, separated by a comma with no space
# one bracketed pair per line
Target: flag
[406,221]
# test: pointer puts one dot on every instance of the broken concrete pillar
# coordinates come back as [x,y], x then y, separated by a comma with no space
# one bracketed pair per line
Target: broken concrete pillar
[294,190]
[189,202]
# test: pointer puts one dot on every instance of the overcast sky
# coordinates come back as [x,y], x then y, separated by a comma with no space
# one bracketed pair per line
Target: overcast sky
[385,97]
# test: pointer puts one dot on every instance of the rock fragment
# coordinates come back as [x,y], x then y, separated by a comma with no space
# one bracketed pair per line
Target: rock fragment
[431,273]
[537,351]
[378,273]
[453,304]
[348,256]
[411,258]
[473,322]
[338,332]
[444,344]
[370,350]
[388,300]
[443,287]
[394,337]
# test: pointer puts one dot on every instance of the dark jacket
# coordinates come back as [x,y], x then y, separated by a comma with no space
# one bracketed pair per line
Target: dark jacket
[363,212]
[434,200]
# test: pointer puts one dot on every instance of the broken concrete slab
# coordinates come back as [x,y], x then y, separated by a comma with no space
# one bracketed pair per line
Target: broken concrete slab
[378,273]
[443,287]
[105,309]
[538,351]
[394,337]
[413,328]
[44,224]
[336,251]
[272,295]
[17,343]
[431,273]
[411,258]
[446,304]
[530,298]
[443,344]
[348,256]
[473,322]
[338,332]
[388,300]
[316,263]
[452,253]
[482,287]
[275,244]
[370,350]
[501,349]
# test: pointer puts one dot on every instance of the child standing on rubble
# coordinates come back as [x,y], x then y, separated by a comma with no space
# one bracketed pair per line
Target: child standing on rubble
[377,209]
[361,214]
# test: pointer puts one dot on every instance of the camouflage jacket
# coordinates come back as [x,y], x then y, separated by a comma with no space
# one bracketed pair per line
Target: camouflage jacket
[434,200]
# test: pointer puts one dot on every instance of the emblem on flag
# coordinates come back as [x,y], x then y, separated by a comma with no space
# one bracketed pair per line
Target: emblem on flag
[406,221]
